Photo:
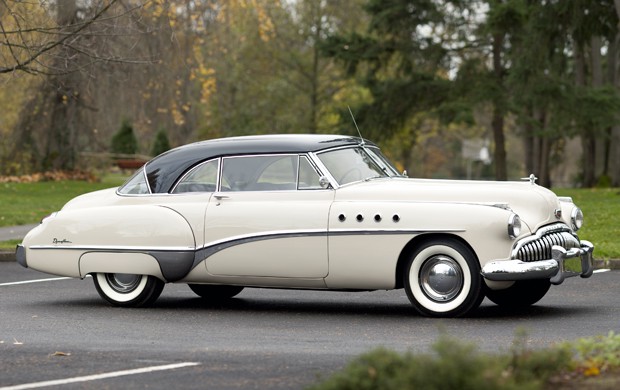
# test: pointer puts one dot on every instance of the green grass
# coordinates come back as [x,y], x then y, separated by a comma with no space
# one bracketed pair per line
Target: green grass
[27,203]
[601,209]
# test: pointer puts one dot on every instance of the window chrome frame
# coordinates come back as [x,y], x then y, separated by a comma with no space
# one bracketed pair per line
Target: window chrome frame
[372,157]
[192,170]
[142,170]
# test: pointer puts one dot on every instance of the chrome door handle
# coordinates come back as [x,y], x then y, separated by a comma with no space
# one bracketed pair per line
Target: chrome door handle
[219,196]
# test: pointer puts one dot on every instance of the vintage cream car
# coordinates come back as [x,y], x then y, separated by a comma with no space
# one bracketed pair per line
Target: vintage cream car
[320,212]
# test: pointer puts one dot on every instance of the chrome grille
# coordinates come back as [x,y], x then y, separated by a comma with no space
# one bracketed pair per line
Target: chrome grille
[539,248]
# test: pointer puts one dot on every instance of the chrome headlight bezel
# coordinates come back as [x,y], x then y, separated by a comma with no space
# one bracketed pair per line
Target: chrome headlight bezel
[576,218]
[514,226]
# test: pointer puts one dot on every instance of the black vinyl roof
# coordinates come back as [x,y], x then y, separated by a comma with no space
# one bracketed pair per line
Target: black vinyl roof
[164,170]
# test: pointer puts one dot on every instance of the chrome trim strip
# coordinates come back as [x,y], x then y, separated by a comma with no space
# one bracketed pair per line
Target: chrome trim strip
[275,234]
[342,232]
[110,248]
[261,236]
[192,170]
[322,168]
[146,181]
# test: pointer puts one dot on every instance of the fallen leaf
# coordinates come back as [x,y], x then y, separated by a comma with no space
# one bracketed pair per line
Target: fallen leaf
[58,353]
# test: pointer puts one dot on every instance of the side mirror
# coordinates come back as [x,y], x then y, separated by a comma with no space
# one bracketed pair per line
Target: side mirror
[324,182]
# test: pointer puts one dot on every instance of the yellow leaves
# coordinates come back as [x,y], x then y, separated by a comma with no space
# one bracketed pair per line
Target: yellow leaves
[266,29]
[592,371]
[236,12]
[48,176]
[207,81]
[177,115]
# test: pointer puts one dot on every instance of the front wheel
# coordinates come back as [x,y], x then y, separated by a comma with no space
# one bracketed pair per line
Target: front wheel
[128,290]
[442,279]
[522,293]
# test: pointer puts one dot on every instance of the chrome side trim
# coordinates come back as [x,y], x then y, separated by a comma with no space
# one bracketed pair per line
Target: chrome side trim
[110,248]
[276,234]
[216,246]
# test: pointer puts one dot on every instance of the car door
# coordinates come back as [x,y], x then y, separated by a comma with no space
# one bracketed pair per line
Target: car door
[269,219]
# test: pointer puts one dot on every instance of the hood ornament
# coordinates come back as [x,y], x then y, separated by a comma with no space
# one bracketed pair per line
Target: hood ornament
[531,178]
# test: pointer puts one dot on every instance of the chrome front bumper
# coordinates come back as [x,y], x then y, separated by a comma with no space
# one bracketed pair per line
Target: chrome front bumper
[563,264]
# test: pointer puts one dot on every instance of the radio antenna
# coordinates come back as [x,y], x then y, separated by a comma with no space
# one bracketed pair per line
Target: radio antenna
[355,123]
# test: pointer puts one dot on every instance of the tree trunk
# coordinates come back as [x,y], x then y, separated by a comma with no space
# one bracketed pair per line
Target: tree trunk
[613,161]
[588,158]
[498,112]
[60,148]
[314,81]
[598,140]
[528,145]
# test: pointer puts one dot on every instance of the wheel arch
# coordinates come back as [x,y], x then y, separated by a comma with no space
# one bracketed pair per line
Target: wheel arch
[418,241]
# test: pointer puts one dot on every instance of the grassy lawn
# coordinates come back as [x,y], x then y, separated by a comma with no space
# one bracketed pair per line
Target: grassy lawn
[27,203]
[601,209]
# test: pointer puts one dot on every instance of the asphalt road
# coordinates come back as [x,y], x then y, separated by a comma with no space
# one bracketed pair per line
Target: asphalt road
[59,330]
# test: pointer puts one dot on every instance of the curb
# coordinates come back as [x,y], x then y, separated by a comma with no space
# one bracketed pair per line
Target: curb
[598,264]
[7,256]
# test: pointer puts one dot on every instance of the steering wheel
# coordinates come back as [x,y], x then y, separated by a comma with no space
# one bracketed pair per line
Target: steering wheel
[355,173]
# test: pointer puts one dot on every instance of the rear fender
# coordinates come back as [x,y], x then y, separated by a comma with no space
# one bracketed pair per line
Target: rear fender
[150,239]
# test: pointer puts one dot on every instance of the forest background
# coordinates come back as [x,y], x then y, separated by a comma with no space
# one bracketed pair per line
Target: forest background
[452,89]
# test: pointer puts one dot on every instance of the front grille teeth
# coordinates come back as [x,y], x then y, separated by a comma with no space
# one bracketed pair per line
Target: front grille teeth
[540,249]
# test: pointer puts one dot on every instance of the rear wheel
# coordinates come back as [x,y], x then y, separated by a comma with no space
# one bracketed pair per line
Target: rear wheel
[442,279]
[522,293]
[128,290]
[215,293]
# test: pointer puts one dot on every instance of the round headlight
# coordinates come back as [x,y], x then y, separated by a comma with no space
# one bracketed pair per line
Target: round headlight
[514,226]
[576,218]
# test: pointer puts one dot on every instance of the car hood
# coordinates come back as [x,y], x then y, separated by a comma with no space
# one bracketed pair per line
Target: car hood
[534,204]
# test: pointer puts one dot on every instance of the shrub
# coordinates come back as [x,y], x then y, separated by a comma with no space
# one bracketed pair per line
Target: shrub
[161,143]
[124,141]
[593,355]
[453,365]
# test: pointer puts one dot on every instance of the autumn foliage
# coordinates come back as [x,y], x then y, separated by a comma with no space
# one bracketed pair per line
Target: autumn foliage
[50,176]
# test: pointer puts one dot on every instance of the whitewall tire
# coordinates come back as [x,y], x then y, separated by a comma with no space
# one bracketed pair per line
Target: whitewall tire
[128,290]
[442,279]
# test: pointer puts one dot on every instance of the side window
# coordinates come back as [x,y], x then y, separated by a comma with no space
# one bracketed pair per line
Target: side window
[203,178]
[136,185]
[308,176]
[260,173]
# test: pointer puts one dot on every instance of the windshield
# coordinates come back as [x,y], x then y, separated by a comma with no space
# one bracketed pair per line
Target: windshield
[352,164]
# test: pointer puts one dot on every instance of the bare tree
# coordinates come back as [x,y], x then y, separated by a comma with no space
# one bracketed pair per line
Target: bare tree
[69,42]
[47,37]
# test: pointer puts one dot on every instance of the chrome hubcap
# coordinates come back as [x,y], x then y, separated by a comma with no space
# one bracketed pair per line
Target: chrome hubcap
[441,278]
[123,283]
